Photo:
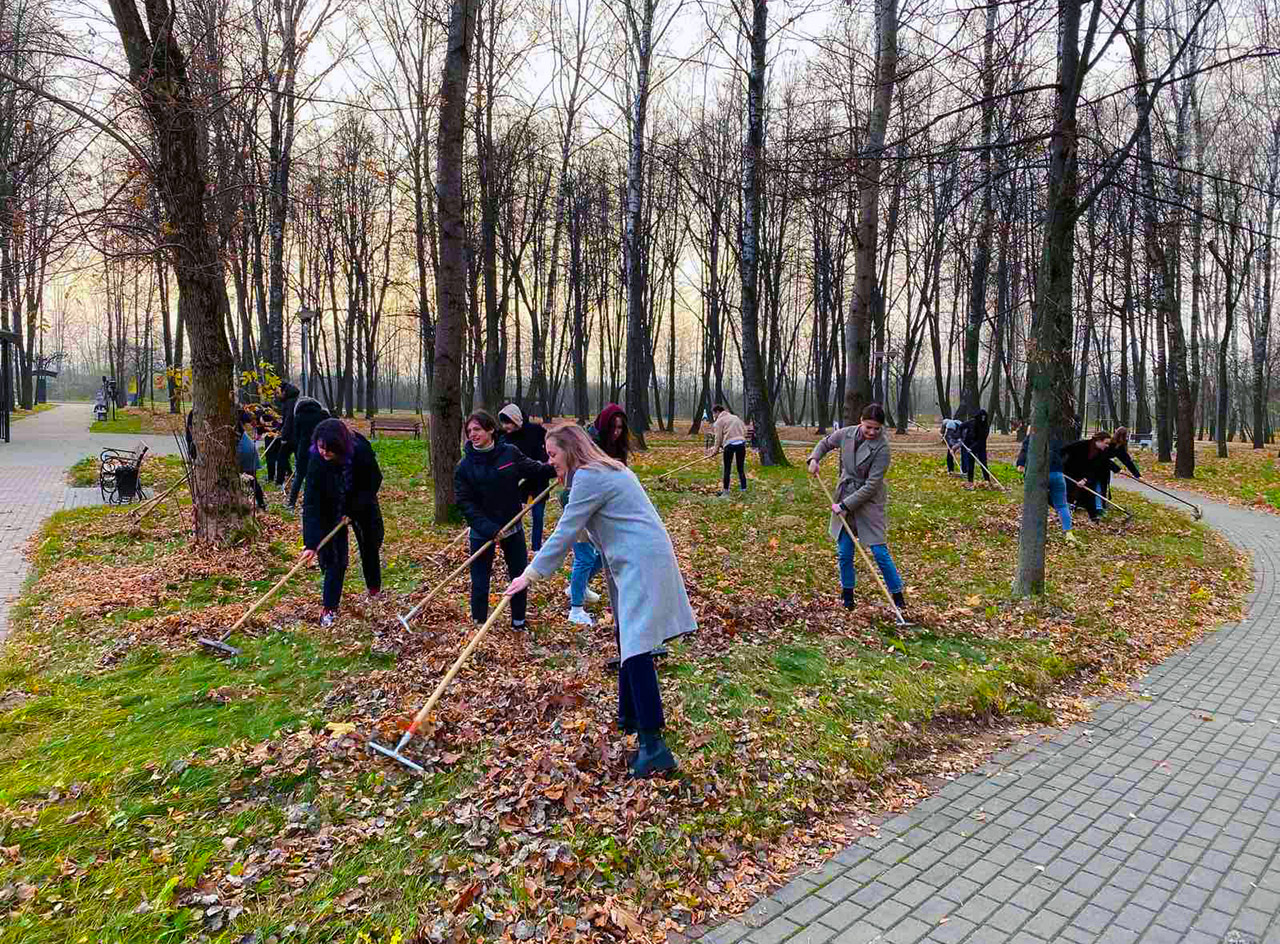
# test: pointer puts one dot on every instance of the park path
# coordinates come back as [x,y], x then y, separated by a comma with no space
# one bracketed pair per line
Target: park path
[1158,821]
[33,481]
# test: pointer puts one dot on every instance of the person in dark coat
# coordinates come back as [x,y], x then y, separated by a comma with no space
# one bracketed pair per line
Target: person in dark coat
[1119,449]
[974,433]
[1057,483]
[612,433]
[283,454]
[487,487]
[307,415]
[531,439]
[1082,463]
[343,478]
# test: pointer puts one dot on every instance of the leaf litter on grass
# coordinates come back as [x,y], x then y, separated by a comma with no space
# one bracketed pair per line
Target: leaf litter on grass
[798,725]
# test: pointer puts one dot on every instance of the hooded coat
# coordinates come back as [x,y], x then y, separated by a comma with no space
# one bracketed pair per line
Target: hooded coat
[861,490]
[529,437]
[325,499]
[599,431]
[288,401]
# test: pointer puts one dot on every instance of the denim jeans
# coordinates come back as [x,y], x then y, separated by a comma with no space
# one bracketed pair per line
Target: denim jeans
[539,513]
[1058,498]
[848,576]
[586,564]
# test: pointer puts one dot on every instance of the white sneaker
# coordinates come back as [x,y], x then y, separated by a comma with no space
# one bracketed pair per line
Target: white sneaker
[590,596]
[580,616]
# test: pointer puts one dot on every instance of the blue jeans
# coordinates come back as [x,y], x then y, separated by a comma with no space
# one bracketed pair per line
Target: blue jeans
[586,564]
[848,576]
[1058,498]
[539,512]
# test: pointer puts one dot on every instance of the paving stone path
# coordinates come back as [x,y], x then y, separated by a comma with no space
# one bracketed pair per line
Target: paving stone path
[33,480]
[1158,822]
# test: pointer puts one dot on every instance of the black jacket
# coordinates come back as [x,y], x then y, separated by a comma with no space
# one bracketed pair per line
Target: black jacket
[1055,455]
[974,432]
[1077,464]
[1121,453]
[531,440]
[288,401]
[486,485]
[324,500]
[306,416]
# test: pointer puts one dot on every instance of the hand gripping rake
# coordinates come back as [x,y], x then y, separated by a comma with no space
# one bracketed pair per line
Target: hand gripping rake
[1128,515]
[404,620]
[421,716]
[871,564]
[1195,509]
[220,644]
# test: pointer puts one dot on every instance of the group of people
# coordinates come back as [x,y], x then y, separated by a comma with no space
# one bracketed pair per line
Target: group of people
[968,439]
[1080,472]
[608,523]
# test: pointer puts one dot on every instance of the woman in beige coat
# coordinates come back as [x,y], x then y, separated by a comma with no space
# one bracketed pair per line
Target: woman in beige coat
[861,497]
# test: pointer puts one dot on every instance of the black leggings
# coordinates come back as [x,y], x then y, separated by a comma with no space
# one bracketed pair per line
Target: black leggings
[278,462]
[970,466]
[516,554]
[739,450]
[639,699]
[335,555]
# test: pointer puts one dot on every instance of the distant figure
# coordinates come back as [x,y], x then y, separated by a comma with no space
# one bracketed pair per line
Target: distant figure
[951,432]
[731,436]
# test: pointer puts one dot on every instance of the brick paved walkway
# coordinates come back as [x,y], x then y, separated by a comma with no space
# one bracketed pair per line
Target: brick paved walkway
[33,480]
[1157,822]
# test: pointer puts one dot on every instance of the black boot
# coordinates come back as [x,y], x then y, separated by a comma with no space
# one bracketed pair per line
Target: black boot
[899,600]
[847,596]
[626,725]
[654,756]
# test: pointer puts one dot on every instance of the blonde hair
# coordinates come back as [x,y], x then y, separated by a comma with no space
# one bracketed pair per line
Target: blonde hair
[579,450]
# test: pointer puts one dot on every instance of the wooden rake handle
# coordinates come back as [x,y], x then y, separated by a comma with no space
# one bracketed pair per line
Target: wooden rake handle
[875,571]
[467,563]
[702,458]
[151,504]
[342,523]
[425,710]
[1103,497]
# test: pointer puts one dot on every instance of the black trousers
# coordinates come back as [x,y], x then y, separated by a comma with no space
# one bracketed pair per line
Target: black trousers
[335,556]
[970,466]
[639,699]
[951,459]
[278,462]
[301,454]
[516,555]
[739,450]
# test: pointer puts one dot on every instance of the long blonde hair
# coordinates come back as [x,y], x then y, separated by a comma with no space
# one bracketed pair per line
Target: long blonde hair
[579,450]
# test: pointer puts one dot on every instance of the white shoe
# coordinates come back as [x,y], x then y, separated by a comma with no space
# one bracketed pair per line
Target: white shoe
[590,596]
[580,616]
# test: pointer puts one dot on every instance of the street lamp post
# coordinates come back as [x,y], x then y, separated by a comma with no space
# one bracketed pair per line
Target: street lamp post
[306,316]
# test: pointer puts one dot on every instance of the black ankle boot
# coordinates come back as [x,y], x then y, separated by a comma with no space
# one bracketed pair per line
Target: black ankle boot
[899,600]
[847,597]
[626,725]
[654,757]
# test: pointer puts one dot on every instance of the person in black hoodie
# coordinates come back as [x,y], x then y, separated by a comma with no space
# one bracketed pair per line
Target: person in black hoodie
[307,415]
[487,487]
[279,456]
[531,439]
[974,433]
[1119,449]
[1082,463]
[343,478]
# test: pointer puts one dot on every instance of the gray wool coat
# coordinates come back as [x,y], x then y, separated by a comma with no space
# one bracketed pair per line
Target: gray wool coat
[646,589]
[861,491]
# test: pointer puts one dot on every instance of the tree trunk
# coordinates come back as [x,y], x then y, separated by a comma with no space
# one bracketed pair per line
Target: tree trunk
[451,277]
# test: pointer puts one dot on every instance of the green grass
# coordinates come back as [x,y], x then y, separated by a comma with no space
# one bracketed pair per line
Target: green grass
[126,764]
[17,413]
[1246,475]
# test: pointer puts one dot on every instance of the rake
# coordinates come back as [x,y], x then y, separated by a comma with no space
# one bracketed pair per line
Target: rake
[220,644]
[1128,515]
[961,444]
[871,564]
[701,458]
[404,619]
[452,544]
[395,752]
[1195,509]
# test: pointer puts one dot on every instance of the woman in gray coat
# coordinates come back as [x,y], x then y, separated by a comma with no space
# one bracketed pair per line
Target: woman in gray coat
[645,586]
[861,497]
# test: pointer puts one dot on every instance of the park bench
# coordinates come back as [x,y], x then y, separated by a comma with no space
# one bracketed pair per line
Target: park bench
[395,424]
[1144,440]
[120,475]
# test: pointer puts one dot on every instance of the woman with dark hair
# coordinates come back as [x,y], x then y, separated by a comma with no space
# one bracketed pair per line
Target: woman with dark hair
[1082,464]
[299,430]
[645,585]
[1119,449]
[343,478]
[487,487]
[612,433]
[861,498]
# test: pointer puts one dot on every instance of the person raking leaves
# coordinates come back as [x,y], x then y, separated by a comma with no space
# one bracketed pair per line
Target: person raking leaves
[646,587]
[531,439]
[731,436]
[487,486]
[343,478]
[862,497]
